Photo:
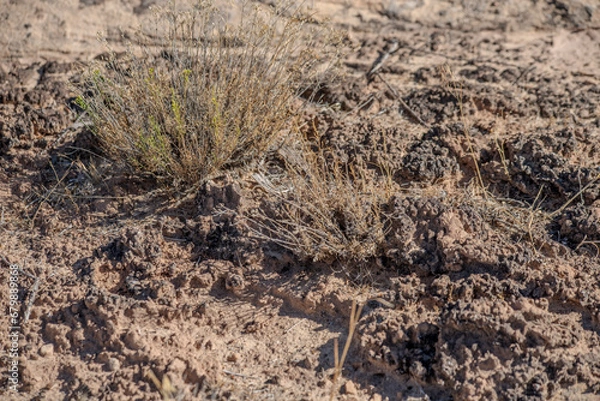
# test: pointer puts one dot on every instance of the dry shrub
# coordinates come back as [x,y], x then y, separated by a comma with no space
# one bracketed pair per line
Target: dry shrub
[322,209]
[211,95]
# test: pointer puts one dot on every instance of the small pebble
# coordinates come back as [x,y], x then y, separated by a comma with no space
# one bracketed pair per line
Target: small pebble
[234,283]
[46,350]
[113,364]
[350,388]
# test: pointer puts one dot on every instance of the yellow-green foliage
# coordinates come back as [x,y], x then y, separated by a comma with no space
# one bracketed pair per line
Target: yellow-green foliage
[212,95]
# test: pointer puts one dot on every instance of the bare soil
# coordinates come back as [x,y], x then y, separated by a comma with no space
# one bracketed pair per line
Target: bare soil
[476,296]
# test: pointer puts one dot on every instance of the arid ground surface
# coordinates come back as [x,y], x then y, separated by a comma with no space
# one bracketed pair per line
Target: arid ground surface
[475,295]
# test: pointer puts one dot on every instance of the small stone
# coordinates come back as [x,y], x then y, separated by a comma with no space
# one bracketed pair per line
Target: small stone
[46,350]
[376,397]
[113,364]
[234,283]
[233,357]
[350,388]
[417,369]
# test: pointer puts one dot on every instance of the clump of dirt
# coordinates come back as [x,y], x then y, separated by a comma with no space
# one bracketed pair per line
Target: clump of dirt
[492,335]
[434,105]
[428,236]
[431,158]
[29,112]
[580,226]
[553,167]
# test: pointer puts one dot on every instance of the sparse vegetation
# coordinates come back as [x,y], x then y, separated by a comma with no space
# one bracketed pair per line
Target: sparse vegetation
[459,204]
[453,85]
[213,95]
[324,209]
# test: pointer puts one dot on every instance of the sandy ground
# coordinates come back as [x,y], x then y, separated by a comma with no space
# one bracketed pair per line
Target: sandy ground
[474,297]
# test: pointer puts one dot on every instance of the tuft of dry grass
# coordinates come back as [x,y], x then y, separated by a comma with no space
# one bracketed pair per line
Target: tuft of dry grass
[323,209]
[212,94]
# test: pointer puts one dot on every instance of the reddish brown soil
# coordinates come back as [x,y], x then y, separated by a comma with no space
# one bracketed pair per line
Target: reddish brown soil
[472,297]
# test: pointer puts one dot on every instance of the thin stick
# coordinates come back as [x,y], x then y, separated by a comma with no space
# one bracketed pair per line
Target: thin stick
[405,106]
[336,358]
[238,374]
[339,362]
[563,207]
[458,95]
[32,292]
[32,296]
[23,272]
[394,46]
[532,215]
[360,106]
[294,325]
[49,193]
[585,242]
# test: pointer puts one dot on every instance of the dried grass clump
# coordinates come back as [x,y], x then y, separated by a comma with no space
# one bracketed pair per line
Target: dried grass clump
[323,209]
[211,95]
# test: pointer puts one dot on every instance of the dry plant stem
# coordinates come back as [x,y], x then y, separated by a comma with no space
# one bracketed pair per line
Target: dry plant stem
[532,215]
[502,155]
[403,103]
[567,203]
[457,93]
[51,192]
[328,210]
[229,372]
[393,48]
[339,362]
[596,245]
[32,292]
[32,295]
[360,106]
[165,388]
